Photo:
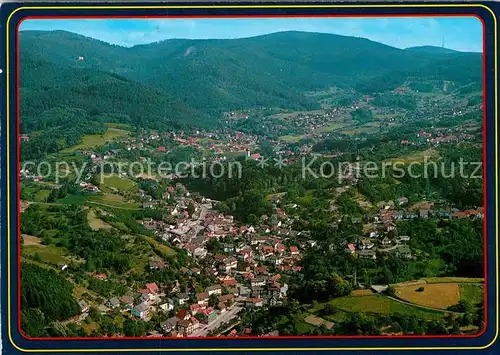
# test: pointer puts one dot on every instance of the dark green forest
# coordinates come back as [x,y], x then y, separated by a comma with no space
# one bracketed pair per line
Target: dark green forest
[45,296]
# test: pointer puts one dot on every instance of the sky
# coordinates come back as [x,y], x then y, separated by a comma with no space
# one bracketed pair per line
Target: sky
[459,33]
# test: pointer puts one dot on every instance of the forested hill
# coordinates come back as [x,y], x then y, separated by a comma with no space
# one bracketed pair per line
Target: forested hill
[210,76]
[105,96]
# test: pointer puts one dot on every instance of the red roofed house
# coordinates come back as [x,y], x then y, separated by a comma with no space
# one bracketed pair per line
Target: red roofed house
[294,250]
[229,282]
[195,308]
[459,214]
[279,248]
[267,250]
[351,248]
[210,313]
[254,302]
[101,276]
[387,216]
[255,156]
[280,213]
[246,253]
[389,226]
[474,212]
[161,149]
[248,275]
[183,314]
[261,270]
[202,298]
[152,287]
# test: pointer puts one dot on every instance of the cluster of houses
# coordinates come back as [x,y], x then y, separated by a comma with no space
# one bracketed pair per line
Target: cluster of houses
[186,311]
[251,266]
[396,212]
[199,313]
[85,186]
[441,135]
[216,143]
[26,175]
[385,239]
[251,259]
[368,248]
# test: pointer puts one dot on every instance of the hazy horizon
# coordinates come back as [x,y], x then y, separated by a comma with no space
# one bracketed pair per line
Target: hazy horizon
[461,33]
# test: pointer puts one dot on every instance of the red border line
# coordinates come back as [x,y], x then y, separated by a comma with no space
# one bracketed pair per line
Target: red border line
[451,336]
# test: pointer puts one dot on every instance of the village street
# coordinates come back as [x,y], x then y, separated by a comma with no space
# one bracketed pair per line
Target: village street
[223,318]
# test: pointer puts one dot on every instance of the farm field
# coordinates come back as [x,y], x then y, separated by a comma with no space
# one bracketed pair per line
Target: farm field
[375,303]
[290,139]
[114,201]
[362,293]
[417,157]
[117,182]
[97,140]
[366,128]
[332,127]
[436,295]
[431,280]
[317,321]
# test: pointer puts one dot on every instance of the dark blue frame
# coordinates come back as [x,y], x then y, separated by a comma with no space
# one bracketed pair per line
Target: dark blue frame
[244,345]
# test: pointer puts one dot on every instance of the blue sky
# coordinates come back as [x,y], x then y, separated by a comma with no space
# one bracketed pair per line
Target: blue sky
[460,33]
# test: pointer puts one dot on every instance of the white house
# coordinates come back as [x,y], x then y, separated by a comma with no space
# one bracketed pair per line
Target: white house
[168,306]
[215,289]
[183,298]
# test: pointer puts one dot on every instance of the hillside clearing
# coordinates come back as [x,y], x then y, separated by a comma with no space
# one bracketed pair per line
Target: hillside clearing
[317,321]
[97,140]
[48,254]
[160,246]
[290,139]
[95,222]
[31,240]
[417,157]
